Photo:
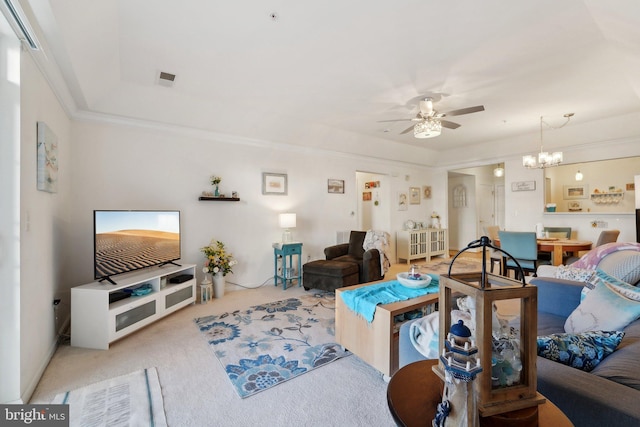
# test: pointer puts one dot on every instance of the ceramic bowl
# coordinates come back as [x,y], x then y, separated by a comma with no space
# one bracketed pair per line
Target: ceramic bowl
[414,283]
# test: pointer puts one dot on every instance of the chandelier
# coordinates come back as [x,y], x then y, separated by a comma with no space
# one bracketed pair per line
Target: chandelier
[428,128]
[545,159]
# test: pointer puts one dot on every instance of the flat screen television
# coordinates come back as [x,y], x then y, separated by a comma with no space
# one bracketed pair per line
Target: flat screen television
[125,241]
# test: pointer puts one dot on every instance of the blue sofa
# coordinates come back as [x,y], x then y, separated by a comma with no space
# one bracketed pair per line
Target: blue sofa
[607,396]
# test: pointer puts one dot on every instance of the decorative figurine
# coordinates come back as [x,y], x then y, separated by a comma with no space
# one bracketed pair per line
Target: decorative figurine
[461,365]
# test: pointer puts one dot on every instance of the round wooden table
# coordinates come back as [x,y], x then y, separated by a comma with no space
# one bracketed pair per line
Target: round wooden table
[559,246]
[415,390]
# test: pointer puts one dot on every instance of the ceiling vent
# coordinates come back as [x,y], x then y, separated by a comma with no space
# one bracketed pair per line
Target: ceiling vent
[166,79]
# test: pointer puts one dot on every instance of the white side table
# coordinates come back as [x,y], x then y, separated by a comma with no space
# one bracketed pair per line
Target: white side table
[206,290]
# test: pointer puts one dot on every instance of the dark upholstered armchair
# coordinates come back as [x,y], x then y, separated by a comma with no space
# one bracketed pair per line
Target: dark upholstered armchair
[369,268]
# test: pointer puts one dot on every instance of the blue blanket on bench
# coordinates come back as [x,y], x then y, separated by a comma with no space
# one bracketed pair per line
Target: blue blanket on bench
[364,300]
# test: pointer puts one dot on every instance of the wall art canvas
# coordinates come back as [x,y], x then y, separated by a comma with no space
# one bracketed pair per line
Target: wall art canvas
[426,191]
[274,183]
[575,191]
[403,201]
[335,186]
[47,158]
[414,195]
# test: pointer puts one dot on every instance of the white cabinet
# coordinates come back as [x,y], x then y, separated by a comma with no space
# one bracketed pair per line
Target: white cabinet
[426,243]
[95,322]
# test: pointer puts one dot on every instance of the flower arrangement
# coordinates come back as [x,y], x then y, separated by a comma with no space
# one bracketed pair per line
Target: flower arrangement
[435,215]
[218,259]
[215,180]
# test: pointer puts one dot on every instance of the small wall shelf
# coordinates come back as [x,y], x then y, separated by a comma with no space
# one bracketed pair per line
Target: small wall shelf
[219,199]
[606,198]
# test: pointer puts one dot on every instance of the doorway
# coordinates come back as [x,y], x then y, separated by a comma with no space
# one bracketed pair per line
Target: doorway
[373,199]
[484,204]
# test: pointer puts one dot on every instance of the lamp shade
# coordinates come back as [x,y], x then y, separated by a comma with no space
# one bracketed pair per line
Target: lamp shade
[287,220]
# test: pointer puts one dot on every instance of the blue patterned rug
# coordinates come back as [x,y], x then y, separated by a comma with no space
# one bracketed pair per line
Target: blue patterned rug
[265,345]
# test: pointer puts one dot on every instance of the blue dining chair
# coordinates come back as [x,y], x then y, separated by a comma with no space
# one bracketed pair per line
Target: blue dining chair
[523,246]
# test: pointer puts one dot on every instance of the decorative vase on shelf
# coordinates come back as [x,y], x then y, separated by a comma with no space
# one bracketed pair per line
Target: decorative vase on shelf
[216,193]
[218,285]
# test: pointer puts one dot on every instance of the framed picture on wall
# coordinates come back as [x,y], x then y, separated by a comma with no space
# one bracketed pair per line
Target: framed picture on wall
[414,195]
[335,186]
[575,191]
[366,196]
[47,149]
[426,191]
[274,183]
[403,201]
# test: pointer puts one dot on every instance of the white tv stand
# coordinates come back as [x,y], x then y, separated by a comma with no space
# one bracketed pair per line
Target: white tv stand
[95,323]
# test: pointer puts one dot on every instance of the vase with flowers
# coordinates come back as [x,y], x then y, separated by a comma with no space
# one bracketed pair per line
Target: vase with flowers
[215,181]
[218,263]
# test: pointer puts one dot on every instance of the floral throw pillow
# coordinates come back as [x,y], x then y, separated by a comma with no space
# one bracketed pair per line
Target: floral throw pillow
[582,351]
[573,273]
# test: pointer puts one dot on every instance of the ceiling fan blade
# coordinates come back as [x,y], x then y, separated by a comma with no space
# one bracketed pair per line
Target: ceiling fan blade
[394,120]
[467,110]
[449,125]
[407,130]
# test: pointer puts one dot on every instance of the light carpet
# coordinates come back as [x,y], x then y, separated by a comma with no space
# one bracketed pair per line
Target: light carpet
[128,400]
[265,345]
[195,386]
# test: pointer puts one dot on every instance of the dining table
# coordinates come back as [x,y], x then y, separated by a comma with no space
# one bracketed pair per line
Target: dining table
[558,246]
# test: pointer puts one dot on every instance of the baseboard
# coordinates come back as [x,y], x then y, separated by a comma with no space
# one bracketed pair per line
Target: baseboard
[31,387]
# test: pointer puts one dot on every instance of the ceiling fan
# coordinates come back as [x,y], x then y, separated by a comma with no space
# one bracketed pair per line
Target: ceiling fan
[429,121]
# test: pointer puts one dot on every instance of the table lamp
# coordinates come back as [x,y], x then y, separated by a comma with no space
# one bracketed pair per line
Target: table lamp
[287,221]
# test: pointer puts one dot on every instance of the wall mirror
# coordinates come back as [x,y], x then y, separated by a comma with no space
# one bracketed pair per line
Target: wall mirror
[599,186]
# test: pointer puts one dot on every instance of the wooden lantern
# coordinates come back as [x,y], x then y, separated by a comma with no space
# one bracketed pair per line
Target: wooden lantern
[507,345]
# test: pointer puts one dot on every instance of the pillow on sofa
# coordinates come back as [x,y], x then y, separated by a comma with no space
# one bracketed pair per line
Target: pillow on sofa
[602,309]
[583,351]
[617,285]
[625,265]
[572,273]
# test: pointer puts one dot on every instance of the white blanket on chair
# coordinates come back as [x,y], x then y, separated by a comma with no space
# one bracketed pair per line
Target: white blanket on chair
[378,240]
[423,334]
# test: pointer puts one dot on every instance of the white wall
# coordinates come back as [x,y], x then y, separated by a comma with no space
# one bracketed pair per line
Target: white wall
[44,223]
[124,167]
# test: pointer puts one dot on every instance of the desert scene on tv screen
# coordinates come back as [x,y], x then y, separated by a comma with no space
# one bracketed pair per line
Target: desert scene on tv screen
[126,250]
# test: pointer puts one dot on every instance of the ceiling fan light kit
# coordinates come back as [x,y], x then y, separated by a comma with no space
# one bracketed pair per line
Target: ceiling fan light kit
[427,129]
[545,159]
[430,121]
